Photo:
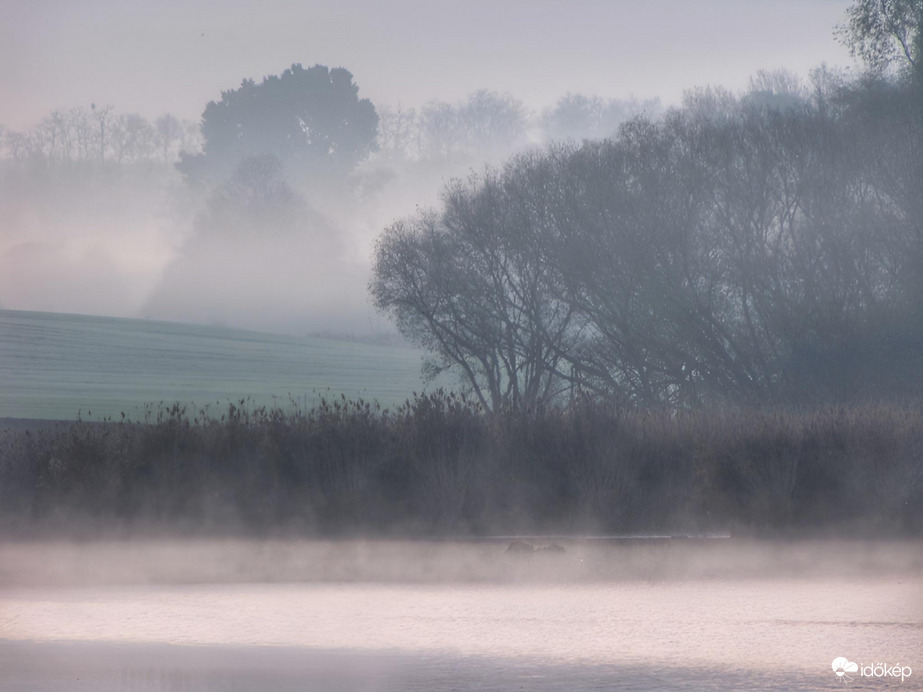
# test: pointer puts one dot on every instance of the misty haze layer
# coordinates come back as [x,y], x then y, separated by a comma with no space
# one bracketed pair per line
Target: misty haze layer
[97,221]
[147,57]
[125,243]
[727,615]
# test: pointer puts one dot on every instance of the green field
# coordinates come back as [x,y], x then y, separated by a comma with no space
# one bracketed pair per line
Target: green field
[54,365]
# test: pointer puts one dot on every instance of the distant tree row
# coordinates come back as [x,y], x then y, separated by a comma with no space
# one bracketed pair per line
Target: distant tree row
[313,123]
[487,125]
[766,247]
[100,133]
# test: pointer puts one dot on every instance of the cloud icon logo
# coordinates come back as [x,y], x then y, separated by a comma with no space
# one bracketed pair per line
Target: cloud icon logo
[842,666]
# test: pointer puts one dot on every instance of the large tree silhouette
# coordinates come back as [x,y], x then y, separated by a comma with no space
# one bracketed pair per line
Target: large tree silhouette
[311,119]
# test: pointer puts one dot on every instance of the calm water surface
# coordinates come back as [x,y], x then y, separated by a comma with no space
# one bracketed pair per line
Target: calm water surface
[539,622]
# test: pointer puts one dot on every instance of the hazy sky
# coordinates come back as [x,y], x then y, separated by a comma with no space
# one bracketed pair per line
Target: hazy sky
[129,250]
[152,56]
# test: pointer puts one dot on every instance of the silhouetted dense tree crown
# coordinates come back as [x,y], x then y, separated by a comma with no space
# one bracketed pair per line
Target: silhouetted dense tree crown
[311,119]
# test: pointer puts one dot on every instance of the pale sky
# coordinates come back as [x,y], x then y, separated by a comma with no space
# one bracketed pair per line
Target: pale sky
[174,56]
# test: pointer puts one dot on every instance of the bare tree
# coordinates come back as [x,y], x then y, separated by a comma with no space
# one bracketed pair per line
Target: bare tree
[625,258]
[168,136]
[485,125]
[104,117]
[579,117]
[398,133]
[83,133]
[753,248]
[132,138]
[472,285]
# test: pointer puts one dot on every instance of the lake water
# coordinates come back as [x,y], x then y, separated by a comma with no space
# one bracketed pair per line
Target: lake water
[446,616]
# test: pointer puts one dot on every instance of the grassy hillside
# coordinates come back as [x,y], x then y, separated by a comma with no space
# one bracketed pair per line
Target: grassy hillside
[54,365]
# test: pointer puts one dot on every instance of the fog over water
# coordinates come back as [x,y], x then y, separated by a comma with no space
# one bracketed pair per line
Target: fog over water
[729,614]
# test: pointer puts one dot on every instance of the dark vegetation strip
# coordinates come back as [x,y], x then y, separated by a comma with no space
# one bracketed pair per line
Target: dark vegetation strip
[439,465]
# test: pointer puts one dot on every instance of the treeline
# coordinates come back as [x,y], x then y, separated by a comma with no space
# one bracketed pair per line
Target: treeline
[756,248]
[101,134]
[488,125]
[485,125]
[439,466]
